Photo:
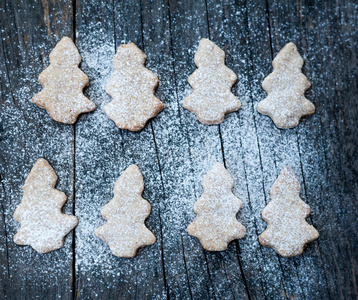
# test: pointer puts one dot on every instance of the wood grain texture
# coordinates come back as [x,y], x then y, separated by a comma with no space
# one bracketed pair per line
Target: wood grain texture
[174,150]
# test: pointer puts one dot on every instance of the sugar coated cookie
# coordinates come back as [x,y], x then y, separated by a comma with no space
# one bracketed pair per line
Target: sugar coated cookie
[132,89]
[62,84]
[211,98]
[287,231]
[43,225]
[285,87]
[125,230]
[215,224]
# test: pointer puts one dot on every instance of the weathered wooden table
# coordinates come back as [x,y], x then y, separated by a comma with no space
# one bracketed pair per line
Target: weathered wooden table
[174,150]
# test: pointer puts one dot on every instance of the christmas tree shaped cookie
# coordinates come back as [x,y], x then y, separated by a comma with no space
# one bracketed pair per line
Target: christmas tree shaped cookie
[211,98]
[287,231]
[215,224]
[132,89]
[285,87]
[125,230]
[43,225]
[62,84]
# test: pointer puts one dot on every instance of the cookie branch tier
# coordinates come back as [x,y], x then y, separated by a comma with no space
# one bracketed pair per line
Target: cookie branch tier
[132,89]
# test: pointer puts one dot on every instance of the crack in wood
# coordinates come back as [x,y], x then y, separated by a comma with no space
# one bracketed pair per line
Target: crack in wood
[173,65]
[160,218]
[73,232]
[186,269]
[160,172]
[5,228]
[269,27]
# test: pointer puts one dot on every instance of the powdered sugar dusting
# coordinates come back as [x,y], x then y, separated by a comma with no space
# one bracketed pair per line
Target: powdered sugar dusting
[187,150]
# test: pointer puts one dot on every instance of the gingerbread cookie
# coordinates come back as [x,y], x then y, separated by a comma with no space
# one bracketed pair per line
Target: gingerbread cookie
[132,89]
[285,87]
[211,99]
[215,224]
[43,225]
[287,231]
[125,230]
[62,84]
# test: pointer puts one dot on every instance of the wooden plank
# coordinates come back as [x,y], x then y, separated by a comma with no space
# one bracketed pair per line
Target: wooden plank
[187,150]
[302,275]
[244,140]
[173,149]
[309,268]
[239,136]
[29,32]
[291,30]
[324,157]
[101,146]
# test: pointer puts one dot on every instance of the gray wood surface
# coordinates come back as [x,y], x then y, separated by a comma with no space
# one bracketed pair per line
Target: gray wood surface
[174,150]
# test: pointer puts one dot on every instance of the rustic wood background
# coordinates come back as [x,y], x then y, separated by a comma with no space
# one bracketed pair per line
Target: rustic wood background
[174,150]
